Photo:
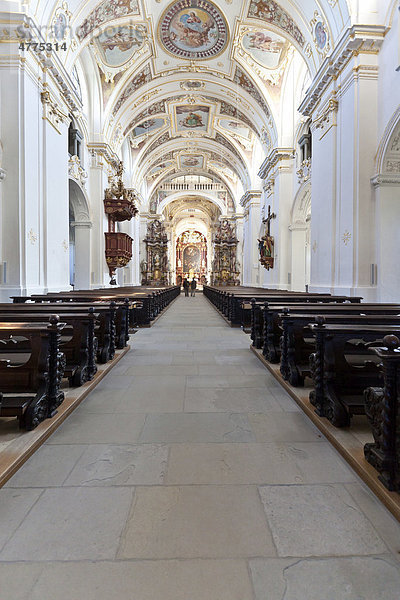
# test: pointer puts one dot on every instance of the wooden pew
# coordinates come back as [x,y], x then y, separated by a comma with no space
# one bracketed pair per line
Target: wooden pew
[298,342]
[77,342]
[235,303]
[105,331]
[146,303]
[31,391]
[264,327]
[382,410]
[269,330]
[339,383]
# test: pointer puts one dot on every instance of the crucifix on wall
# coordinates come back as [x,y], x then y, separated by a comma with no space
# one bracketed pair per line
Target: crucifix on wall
[266,243]
[268,220]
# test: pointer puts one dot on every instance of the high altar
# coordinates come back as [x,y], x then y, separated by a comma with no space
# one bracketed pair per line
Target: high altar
[191,256]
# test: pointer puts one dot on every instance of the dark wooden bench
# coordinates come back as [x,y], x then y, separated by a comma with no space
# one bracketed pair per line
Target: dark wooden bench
[268,330]
[145,303]
[105,330]
[382,410]
[339,382]
[236,303]
[298,341]
[31,391]
[264,332]
[78,342]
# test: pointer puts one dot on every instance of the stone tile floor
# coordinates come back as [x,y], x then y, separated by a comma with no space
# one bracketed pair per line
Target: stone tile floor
[189,474]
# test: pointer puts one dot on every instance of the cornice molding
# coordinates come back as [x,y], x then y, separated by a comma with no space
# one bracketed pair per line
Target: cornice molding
[273,158]
[385,179]
[102,150]
[249,197]
[82,224]
[359,39]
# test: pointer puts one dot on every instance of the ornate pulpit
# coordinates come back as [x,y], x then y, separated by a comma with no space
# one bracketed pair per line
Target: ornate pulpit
[225,266]
[119,205]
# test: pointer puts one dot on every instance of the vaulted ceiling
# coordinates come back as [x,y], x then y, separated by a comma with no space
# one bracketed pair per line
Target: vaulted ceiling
[192,86]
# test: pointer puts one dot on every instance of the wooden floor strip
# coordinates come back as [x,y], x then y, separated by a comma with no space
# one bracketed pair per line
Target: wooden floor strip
[344,439]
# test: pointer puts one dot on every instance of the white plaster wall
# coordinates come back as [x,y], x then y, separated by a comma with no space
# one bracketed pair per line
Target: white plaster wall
[56,207]
[389,77]
[250,262]
[323,209]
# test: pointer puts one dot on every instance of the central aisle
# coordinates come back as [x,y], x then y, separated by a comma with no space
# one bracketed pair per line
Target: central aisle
[189,474]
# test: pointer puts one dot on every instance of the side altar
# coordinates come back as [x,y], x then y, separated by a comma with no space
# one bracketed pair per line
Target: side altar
[225,268]
[155,268]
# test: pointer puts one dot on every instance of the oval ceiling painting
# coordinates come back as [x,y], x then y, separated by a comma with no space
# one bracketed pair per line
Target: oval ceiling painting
[267,48]
[193,29]
[116,45]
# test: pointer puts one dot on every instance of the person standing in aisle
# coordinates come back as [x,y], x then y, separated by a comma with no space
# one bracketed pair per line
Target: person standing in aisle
[193,286]
[186,286]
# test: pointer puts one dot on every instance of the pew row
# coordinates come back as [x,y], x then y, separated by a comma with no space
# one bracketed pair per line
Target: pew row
[78,343]
[31,391]
[382,409]
[105,329]
[339,382]
[237,305]
[146,303]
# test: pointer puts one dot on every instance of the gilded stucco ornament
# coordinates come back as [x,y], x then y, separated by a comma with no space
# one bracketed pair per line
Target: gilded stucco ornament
[346,238]
[320,34]
[60,25]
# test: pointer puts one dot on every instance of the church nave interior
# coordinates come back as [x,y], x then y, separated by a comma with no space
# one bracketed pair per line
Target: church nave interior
[199,299]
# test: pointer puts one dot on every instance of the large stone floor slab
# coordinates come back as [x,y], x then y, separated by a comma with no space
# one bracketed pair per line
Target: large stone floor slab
[83,428]
[356,578]
[315,520]
[71,524]
[127,580]
[196,521]
[194,427]
[100,465]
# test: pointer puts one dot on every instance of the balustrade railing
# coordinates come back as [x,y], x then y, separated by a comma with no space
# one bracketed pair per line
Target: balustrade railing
[195,187]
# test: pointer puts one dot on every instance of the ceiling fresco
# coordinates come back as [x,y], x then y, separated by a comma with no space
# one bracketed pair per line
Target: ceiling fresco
[267,48]
[117,45]
[190,161]
[193,29]
[192,117]
[107,11]
[195,85]
[270,12]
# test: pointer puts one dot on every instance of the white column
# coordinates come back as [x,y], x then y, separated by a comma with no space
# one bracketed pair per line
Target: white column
[97,184]
[82,254]
[251,225]
[299,258]
[343,103]
[277,173]
[387,215]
